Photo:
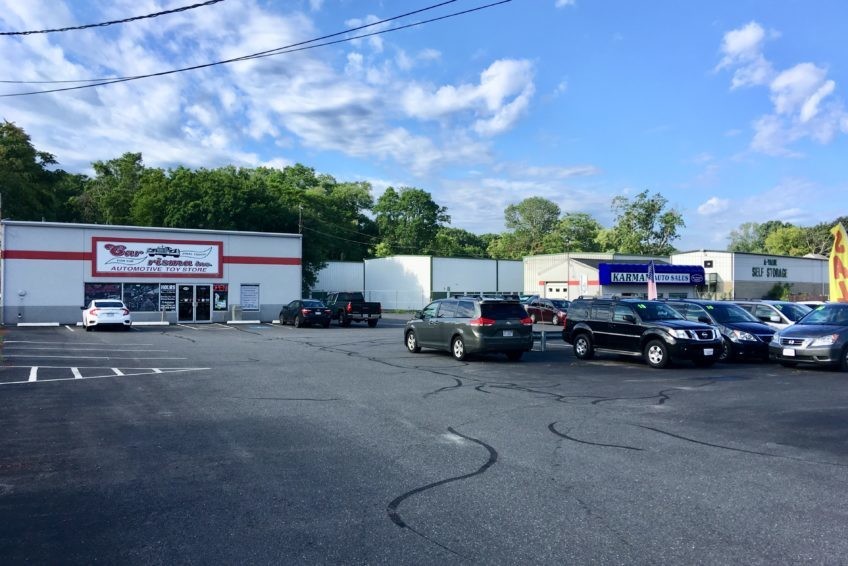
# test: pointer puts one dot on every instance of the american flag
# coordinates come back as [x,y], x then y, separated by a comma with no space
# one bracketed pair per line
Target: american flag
[652,281]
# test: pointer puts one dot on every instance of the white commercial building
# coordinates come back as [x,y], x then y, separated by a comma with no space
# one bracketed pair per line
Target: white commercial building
[734,275]
[409,282]
[49,270]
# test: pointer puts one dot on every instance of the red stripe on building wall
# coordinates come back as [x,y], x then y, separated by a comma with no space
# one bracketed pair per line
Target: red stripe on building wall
[252,260]
[589,282]
[35,254]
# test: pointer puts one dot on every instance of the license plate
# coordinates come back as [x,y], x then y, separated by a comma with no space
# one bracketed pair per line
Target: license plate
[108,314]
[708,351]
[789,352]
[507,332]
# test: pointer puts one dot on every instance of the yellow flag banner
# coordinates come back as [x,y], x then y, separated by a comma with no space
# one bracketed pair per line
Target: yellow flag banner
[839,265]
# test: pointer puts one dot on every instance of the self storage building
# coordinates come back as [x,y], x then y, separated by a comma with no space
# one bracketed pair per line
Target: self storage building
[49,270]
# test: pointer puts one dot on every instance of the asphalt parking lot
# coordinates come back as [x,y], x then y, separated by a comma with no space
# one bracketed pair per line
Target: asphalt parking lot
[267,444]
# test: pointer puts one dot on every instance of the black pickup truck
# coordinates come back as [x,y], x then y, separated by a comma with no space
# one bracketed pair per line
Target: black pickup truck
[350,307]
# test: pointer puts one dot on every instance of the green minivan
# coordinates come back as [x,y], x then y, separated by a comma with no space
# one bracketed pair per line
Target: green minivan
[470,325]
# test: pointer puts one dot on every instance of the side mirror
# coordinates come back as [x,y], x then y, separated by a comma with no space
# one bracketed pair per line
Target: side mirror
[630,318]
[82,308]
[418,314]
[705,319]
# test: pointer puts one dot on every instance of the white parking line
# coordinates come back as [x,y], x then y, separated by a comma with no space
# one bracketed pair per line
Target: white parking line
[76,344]
[117,371]
[33,373]
[90,357]
[65,349]
[77,375]
[69,328]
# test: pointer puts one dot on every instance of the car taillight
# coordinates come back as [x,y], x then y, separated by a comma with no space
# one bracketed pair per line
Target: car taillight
[305,311]
[125,311]
[349,307]
[527,321]
[93,312]
[482,321]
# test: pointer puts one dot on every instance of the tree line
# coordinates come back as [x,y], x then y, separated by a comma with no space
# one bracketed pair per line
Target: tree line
[339,220]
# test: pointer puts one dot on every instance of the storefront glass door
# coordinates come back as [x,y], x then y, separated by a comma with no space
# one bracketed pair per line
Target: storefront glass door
[194,303]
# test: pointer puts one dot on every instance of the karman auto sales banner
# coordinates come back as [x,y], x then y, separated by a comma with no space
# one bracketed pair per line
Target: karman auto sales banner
[131,257]
[637,274]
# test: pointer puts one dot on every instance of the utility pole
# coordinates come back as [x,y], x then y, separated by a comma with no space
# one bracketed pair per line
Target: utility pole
[300,219]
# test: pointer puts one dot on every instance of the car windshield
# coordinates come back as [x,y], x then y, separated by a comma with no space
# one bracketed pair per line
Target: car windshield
[725,313]
[109,304]
[560,304]
[502,311]
[312,304]
[793,311]
[656,311]
[836,314]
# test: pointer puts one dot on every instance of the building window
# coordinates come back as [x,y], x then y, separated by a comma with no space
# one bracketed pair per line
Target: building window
[94,291]
[221,293]
[250,297]
[141,297]
[708,263]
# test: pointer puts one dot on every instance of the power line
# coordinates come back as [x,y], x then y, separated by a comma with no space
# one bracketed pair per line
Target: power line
[269,53]
[259,54]
[104,24]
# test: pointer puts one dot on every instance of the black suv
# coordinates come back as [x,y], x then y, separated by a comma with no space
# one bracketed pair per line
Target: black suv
[744,336]
[467,325]
[820,338]
[636,327]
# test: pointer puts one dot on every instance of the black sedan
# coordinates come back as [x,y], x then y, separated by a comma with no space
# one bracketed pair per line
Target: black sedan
[303,312]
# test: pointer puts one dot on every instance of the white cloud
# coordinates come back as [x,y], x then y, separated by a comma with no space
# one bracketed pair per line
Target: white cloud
[564,3]
[713,206]
[742,49]
[803,98]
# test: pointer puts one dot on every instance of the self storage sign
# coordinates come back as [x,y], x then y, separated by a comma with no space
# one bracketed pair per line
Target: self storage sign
[130,257]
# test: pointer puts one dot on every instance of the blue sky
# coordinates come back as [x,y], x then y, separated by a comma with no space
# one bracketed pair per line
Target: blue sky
[734,111]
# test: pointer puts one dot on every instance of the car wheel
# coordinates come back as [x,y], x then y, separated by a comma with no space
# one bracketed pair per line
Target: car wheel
[458,348]
[726,353]
[344,321]
[412,342]
[583,348]
[555,320]
[514,356]
[282,319]
[843,363]
[298,322]
[87,327]
[656,354]
[533,318]
[373,323]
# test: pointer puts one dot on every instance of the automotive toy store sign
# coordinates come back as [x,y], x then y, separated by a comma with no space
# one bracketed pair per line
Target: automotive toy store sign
[130,257]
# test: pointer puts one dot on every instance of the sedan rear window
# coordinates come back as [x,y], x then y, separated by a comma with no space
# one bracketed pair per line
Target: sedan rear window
[502,311]
[109,304]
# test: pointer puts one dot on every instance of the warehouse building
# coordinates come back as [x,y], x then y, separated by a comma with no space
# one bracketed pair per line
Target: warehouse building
[49,270]
[409,282]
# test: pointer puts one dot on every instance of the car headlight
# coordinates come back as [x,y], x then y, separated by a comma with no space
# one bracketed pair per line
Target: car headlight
[828,340]
[775,337]
[742,336]
[680,334]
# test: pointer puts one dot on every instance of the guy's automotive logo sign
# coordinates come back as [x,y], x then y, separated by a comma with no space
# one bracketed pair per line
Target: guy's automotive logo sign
[133,257]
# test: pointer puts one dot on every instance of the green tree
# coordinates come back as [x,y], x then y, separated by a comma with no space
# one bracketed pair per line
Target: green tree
[750,237]
[456,242]
[575,232]
[789,240]
[642,226]
[108,197]
[25,181]
[408,221]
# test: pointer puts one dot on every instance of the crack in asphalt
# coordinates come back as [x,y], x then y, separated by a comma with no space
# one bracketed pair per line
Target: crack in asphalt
[392,507]
[742,450]
[447,388]
[288,398]
[565,435]
[662,395]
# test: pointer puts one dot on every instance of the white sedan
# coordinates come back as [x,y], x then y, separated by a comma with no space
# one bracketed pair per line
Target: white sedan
[106,312]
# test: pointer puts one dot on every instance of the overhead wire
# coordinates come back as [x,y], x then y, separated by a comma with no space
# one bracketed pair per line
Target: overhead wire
[272,52]
[112,22]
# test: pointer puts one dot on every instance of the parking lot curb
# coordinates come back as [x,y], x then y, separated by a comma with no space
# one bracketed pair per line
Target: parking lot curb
[38,324]
[244,322]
